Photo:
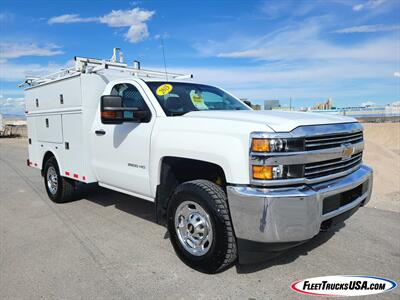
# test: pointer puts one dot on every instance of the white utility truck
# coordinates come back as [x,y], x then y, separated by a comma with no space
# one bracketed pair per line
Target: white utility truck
[228,182]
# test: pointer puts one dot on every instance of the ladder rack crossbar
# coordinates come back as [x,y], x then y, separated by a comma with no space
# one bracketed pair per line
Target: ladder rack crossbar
[93,65]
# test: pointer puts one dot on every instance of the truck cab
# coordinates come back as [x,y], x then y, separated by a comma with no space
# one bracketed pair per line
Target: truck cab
[230,183]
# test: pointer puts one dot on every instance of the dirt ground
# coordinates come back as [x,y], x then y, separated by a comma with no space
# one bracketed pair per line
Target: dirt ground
[382,153]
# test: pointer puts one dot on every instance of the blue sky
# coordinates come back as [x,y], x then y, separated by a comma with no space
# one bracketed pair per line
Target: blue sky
[305,50]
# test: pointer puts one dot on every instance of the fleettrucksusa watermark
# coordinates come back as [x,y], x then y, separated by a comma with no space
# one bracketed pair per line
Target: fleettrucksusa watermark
[343,285]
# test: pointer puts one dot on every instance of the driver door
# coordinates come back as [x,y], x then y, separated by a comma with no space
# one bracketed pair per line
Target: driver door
[121,151]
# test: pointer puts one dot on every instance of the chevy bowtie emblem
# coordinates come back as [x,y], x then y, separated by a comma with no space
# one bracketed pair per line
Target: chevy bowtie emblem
[347,151]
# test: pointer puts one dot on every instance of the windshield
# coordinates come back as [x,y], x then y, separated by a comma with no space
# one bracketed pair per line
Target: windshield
[178,98]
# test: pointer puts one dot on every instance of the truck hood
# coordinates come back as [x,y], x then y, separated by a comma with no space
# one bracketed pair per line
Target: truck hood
[278,121]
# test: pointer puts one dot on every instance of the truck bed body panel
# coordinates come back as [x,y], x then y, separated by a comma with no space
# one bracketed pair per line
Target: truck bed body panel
[47,96]
[64,127]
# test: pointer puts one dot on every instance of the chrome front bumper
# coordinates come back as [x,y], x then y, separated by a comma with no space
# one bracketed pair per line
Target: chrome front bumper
[275,215]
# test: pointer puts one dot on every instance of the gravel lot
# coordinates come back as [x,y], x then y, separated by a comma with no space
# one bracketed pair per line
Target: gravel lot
[108,246]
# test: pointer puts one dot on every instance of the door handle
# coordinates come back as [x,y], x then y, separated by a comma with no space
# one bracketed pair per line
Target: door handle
[100,132]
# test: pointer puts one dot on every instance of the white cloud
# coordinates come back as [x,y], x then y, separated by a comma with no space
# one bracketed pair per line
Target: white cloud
[12,106]
[137,33]
[276,9]
[358,7]
[371,4]
[134,19]
[304,43]
[15,50]
[368,103]
[18,72]
[297,61]
[70,18]
[314,74]
[125,18]
[369,28]
[396,74]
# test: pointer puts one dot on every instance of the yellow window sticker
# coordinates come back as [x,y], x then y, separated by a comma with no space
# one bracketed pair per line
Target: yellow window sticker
[164,89]
[197,100]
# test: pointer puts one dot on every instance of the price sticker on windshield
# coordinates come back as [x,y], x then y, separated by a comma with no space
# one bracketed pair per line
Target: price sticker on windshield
[164,89]
[198,100]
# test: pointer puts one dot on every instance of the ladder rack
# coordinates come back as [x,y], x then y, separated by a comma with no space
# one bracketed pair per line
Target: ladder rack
[93,65]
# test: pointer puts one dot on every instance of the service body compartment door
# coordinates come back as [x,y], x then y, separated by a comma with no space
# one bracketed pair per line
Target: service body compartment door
[72,154]
[33,144]
[49,128]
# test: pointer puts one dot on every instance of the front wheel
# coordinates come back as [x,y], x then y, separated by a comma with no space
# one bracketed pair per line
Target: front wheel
[200,227]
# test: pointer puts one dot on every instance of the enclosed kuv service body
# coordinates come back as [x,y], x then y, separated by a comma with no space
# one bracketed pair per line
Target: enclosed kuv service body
[229,183]
[60,121]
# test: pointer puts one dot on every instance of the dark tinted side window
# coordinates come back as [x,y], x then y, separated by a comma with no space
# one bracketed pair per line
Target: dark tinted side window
[131,97]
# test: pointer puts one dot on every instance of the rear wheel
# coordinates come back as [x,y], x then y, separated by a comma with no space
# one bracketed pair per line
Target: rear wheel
[58,188]
[200,227]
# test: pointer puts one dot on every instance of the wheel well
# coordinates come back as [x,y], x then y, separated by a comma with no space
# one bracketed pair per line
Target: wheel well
[46,157]
[176,170]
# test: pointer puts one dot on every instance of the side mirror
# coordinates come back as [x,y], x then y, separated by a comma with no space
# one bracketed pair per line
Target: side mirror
[112,111]
[247,102]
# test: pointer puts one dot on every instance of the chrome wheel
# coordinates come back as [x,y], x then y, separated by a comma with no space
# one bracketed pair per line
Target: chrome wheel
[193,228]
[52,180]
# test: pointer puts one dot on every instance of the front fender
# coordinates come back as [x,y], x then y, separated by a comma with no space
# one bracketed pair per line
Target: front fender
[213,141]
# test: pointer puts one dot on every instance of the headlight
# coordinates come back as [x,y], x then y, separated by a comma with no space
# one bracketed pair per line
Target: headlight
[276,145]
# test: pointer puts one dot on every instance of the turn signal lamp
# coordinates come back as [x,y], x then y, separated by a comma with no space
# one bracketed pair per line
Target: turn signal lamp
[276,144]
[262,172]
[268,172]
[108,114]
[260,145]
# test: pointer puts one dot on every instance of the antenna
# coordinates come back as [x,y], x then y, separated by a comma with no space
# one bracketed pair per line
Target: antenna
[163,52]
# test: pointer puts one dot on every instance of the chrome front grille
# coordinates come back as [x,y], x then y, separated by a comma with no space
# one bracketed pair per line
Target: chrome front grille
[332,140]
[333,166]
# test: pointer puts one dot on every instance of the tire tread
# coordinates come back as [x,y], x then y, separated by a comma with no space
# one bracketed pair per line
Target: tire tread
[219,198]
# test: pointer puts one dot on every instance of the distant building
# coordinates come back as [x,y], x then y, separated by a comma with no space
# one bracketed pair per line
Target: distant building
[256,106]
[326,105]
[271,104]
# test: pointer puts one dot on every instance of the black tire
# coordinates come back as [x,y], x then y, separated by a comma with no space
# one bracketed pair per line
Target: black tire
[66,188]
[223,250]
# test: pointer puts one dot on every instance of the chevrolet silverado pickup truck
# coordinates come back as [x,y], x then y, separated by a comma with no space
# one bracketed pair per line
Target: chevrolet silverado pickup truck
[230,183]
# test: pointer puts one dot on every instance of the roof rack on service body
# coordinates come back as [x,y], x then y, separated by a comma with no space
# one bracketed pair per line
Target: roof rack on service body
[93,65]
